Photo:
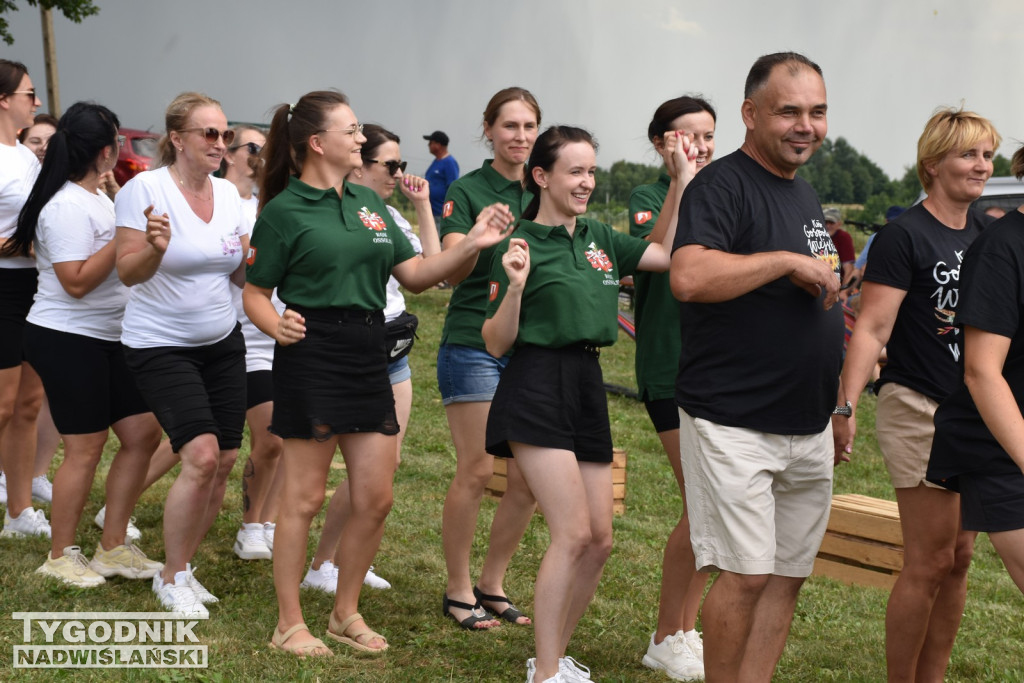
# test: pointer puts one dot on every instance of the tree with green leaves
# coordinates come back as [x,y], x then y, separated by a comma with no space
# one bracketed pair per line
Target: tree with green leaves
[75,10]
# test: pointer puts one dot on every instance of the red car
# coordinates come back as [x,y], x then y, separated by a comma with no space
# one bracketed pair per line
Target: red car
[136,153]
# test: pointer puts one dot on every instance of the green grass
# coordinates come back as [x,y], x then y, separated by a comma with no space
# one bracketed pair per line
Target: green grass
[837,633]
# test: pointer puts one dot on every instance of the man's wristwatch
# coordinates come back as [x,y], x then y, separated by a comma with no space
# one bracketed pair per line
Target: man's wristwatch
[845,411]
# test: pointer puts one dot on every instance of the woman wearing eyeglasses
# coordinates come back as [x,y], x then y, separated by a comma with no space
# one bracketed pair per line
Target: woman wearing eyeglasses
[181,235]
[467,375]
[329,246]
[382,171]
[72,340]
[21,392]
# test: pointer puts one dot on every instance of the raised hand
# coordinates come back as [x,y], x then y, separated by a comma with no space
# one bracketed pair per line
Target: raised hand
[158,229]
[492,226]
[415,188]
[108,184]
[680,155]
[516,262]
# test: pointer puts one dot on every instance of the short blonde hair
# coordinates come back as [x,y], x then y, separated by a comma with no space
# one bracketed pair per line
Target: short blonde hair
[951,129]
[176,118]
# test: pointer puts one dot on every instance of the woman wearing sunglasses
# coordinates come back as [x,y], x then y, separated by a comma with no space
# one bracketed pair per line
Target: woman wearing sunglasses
[467,375]
[72,340]
[382,171]
[181,235]
[329,246]
[21,392]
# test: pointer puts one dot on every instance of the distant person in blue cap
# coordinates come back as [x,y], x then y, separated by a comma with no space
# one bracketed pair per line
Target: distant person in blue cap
[442,172]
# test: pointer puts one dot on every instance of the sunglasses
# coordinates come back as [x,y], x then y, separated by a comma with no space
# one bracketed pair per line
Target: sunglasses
[211,134]
[393,166]
[121,140]
[31,93]
[251,146]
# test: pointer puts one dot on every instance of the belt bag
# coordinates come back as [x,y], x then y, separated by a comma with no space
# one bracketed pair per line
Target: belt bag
[399,335]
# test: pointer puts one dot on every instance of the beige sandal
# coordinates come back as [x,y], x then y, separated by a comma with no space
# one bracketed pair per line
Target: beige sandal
[302,651]
[337,632]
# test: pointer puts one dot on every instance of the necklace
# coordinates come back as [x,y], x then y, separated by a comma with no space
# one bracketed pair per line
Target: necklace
[185,189]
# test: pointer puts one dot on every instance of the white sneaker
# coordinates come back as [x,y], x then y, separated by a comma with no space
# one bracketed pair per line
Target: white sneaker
[3,488]
[72,568]
[132,533]
[204,596]
[268,534]
[179,596]
[531,672]
[126,560]
[323,579]
[675,658]
[374,581]
[30,522]
[573,671]
[250,543]
[42,489]
[696,643]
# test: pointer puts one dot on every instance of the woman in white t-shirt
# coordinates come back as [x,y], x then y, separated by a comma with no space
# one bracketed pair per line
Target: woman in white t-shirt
[180,239]
[21,392]
[72,340]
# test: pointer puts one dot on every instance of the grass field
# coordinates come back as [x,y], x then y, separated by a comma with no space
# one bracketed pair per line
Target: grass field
[837,634]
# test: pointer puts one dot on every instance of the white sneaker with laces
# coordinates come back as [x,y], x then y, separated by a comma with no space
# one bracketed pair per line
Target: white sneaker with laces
[531,673]
[573,671]
[674,657]
[72,568]
[204,596]
[250,543]
[323,579]
[42,489]
[30,522]
[179,596]
[696,643]
[132,533]
[374,581]
[268,534]
[3,489]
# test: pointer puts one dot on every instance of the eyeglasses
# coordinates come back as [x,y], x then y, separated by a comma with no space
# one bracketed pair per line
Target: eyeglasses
[252,147]
[356,129]
[121,140]
[211,134]
[31,92]
[392,165]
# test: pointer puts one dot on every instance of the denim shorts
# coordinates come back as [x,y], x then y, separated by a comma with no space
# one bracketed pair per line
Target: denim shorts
[466,374]
[399,371]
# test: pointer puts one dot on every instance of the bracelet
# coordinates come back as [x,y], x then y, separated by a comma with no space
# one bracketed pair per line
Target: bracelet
[845,411]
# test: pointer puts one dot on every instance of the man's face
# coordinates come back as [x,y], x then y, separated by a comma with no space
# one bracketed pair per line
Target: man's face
[785,119]
[434,147]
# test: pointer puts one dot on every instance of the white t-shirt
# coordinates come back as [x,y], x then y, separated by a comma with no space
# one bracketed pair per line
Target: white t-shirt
[395,303]
[18,170]
[259,348]
[188,301]
[73,226]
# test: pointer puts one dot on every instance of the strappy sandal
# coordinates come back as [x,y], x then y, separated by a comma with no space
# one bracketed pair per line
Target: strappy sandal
[474,618]
[279,642]
[511,613]
[337,631]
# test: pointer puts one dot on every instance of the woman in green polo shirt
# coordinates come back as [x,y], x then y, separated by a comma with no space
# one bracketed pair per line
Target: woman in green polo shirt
[675,646]
[467,375]
[553,296]
[329,252]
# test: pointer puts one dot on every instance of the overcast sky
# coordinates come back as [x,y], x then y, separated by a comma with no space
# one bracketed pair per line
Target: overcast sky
[419,65]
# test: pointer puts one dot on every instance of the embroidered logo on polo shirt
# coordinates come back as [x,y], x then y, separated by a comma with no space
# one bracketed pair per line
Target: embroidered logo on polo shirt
[250,257]
[447,211]
[642,217]
[598,258]
[492,292]
[372,220]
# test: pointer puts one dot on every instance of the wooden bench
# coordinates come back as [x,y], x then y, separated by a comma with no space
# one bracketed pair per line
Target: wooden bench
[864,542]
[498,484]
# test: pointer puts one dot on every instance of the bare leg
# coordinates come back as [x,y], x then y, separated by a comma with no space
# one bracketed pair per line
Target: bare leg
[139,436]
[22,396]
[71,485]
[1010,546]
[225,462]
[260,468]
[947,613]
[47,440]
[767,637]
[334,521]
[930,519]
[162,462]
[403,410]
[729,612]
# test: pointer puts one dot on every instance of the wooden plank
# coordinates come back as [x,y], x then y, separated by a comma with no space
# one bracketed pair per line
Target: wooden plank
[851,574]
[501,466]
[865,526]
[863,551]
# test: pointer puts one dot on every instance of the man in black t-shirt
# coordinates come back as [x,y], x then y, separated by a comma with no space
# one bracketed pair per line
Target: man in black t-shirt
[759,369]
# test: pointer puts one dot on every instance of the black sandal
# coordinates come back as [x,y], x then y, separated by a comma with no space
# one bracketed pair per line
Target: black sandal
[511,613]
[470,622]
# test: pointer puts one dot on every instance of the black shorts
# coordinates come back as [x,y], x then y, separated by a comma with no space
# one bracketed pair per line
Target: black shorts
[663,413]
[259,388]
[17,287]
[87,382]
[552,398]
[992,502]
[335,380]
[195,390]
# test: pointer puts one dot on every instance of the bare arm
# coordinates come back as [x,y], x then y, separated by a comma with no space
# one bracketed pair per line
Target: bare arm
[681,161]
[984,356]
[238,275]
[462,272]
[500,331]
[285,329]
[78,278]
[139,253]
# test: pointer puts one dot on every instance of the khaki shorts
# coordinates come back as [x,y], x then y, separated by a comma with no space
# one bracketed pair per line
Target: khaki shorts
[904,428]
[758,503]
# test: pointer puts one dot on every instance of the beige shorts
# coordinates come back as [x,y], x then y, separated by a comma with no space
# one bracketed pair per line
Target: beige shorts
[904,428]
[758,503]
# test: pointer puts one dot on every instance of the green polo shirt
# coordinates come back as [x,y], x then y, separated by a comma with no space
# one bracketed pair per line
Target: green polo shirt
[657,311]
[572,292]
[322,250]
[466,198]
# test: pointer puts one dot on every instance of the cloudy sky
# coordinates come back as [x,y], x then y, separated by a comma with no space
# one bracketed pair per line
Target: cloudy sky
[418,65]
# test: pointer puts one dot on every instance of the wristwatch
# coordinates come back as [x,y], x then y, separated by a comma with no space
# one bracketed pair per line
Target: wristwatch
[845,411]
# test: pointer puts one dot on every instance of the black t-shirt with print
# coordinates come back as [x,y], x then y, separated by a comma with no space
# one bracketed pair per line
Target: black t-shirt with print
[920,255]
[768,360]
[991,299]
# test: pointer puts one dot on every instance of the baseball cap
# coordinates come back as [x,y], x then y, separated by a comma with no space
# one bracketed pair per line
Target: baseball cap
[437,136]
[833,215]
